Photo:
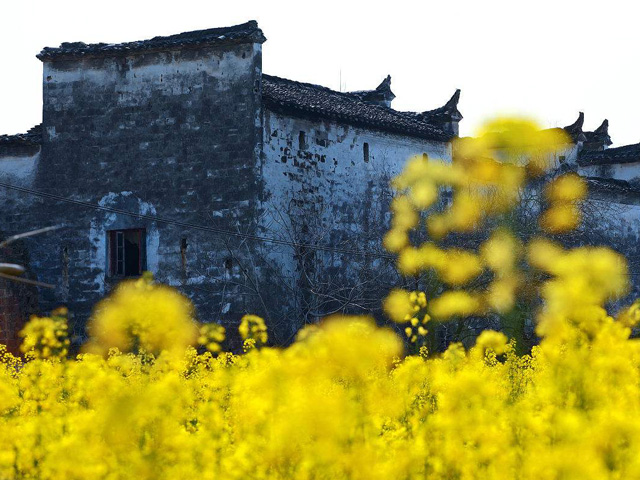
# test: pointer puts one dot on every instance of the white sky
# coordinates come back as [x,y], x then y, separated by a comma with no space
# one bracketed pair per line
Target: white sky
[545,58]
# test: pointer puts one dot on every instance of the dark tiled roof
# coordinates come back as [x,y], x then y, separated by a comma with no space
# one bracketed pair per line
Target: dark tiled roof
[600,136]
[246,32]
[575,129]
[32,137]
[625,154]
[288,96]
[449,111]
[381,93]
[605,188]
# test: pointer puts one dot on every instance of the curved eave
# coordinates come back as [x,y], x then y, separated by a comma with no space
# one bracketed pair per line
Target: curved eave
[313,114]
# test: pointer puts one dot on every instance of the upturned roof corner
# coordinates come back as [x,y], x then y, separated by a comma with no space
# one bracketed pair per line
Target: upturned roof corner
[599,139]
[382,95]
[575,129]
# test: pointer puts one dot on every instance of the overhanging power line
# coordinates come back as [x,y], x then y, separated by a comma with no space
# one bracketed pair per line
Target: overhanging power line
[205,228]
[217,231]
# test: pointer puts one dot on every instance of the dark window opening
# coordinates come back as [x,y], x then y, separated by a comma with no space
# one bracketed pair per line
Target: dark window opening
[65,270]
[562,158]
[183,255]
[302,141]
[127,252]
[365,152]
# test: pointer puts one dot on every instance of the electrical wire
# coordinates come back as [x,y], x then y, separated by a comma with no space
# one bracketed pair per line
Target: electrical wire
[217,231]
[178,223]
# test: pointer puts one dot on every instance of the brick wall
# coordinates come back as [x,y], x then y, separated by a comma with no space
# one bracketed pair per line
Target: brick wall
[17,301]
[171,134]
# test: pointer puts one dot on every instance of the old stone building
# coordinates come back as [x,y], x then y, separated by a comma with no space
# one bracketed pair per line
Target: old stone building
[249,192]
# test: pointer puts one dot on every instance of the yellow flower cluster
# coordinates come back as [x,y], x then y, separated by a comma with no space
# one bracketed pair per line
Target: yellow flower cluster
[253,331]
[583,280]
[409,307]
[339,403]
[211,337]
[630,317]
[343,402]
[564,194]
[485,178]
[142,315]
[46,337]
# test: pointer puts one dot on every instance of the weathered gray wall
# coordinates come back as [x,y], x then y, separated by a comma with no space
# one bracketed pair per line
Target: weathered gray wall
[323,191]
[620,171]
[174,134]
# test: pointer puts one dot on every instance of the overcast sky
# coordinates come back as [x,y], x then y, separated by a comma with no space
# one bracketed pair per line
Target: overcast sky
[546,59]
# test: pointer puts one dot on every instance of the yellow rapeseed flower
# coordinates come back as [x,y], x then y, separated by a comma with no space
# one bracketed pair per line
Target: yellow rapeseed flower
[140,314]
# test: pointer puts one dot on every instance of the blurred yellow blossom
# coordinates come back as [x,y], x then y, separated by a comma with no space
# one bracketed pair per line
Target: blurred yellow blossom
[45,337]
[561,218]
[455,303]
[495,341]
[253,328]
[140,314]
[569,187]
[344,401]
[211,336]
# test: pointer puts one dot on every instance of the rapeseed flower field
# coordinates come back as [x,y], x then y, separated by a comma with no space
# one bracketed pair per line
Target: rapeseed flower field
[344,401]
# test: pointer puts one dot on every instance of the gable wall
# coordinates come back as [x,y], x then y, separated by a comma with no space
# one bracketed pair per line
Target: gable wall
[173,134]
[324,193]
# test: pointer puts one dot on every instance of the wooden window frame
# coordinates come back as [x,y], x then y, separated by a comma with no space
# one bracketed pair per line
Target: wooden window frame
[117,252]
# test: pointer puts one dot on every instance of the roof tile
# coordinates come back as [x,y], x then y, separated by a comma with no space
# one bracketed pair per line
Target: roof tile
[625,154]
[246,32]
[288,96]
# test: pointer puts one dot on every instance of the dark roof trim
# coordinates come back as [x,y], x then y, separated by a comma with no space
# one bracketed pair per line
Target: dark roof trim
[447,113]
[604,188]
[309,100]
[31,138]
[248,32]
[625,154]
[575,129]
[600,136]
[381,93]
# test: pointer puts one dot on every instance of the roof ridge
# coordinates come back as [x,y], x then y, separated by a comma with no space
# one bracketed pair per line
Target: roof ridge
[622,154]
[308,98]
[614,149]
[347,95]
[248,31]
[33,136]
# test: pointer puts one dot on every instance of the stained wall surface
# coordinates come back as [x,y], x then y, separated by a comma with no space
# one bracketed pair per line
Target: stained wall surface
[172,134]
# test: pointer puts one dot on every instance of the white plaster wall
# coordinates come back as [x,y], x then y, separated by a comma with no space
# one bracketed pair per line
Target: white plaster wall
[570,152]
[331,176]
[136,81]
[19,170]
[621,218]
[102,222]
[619,171]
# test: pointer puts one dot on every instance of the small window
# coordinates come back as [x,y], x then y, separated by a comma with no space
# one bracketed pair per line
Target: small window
[562,158]
[365,152]
[127,252]
[183,255]
[302,141]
